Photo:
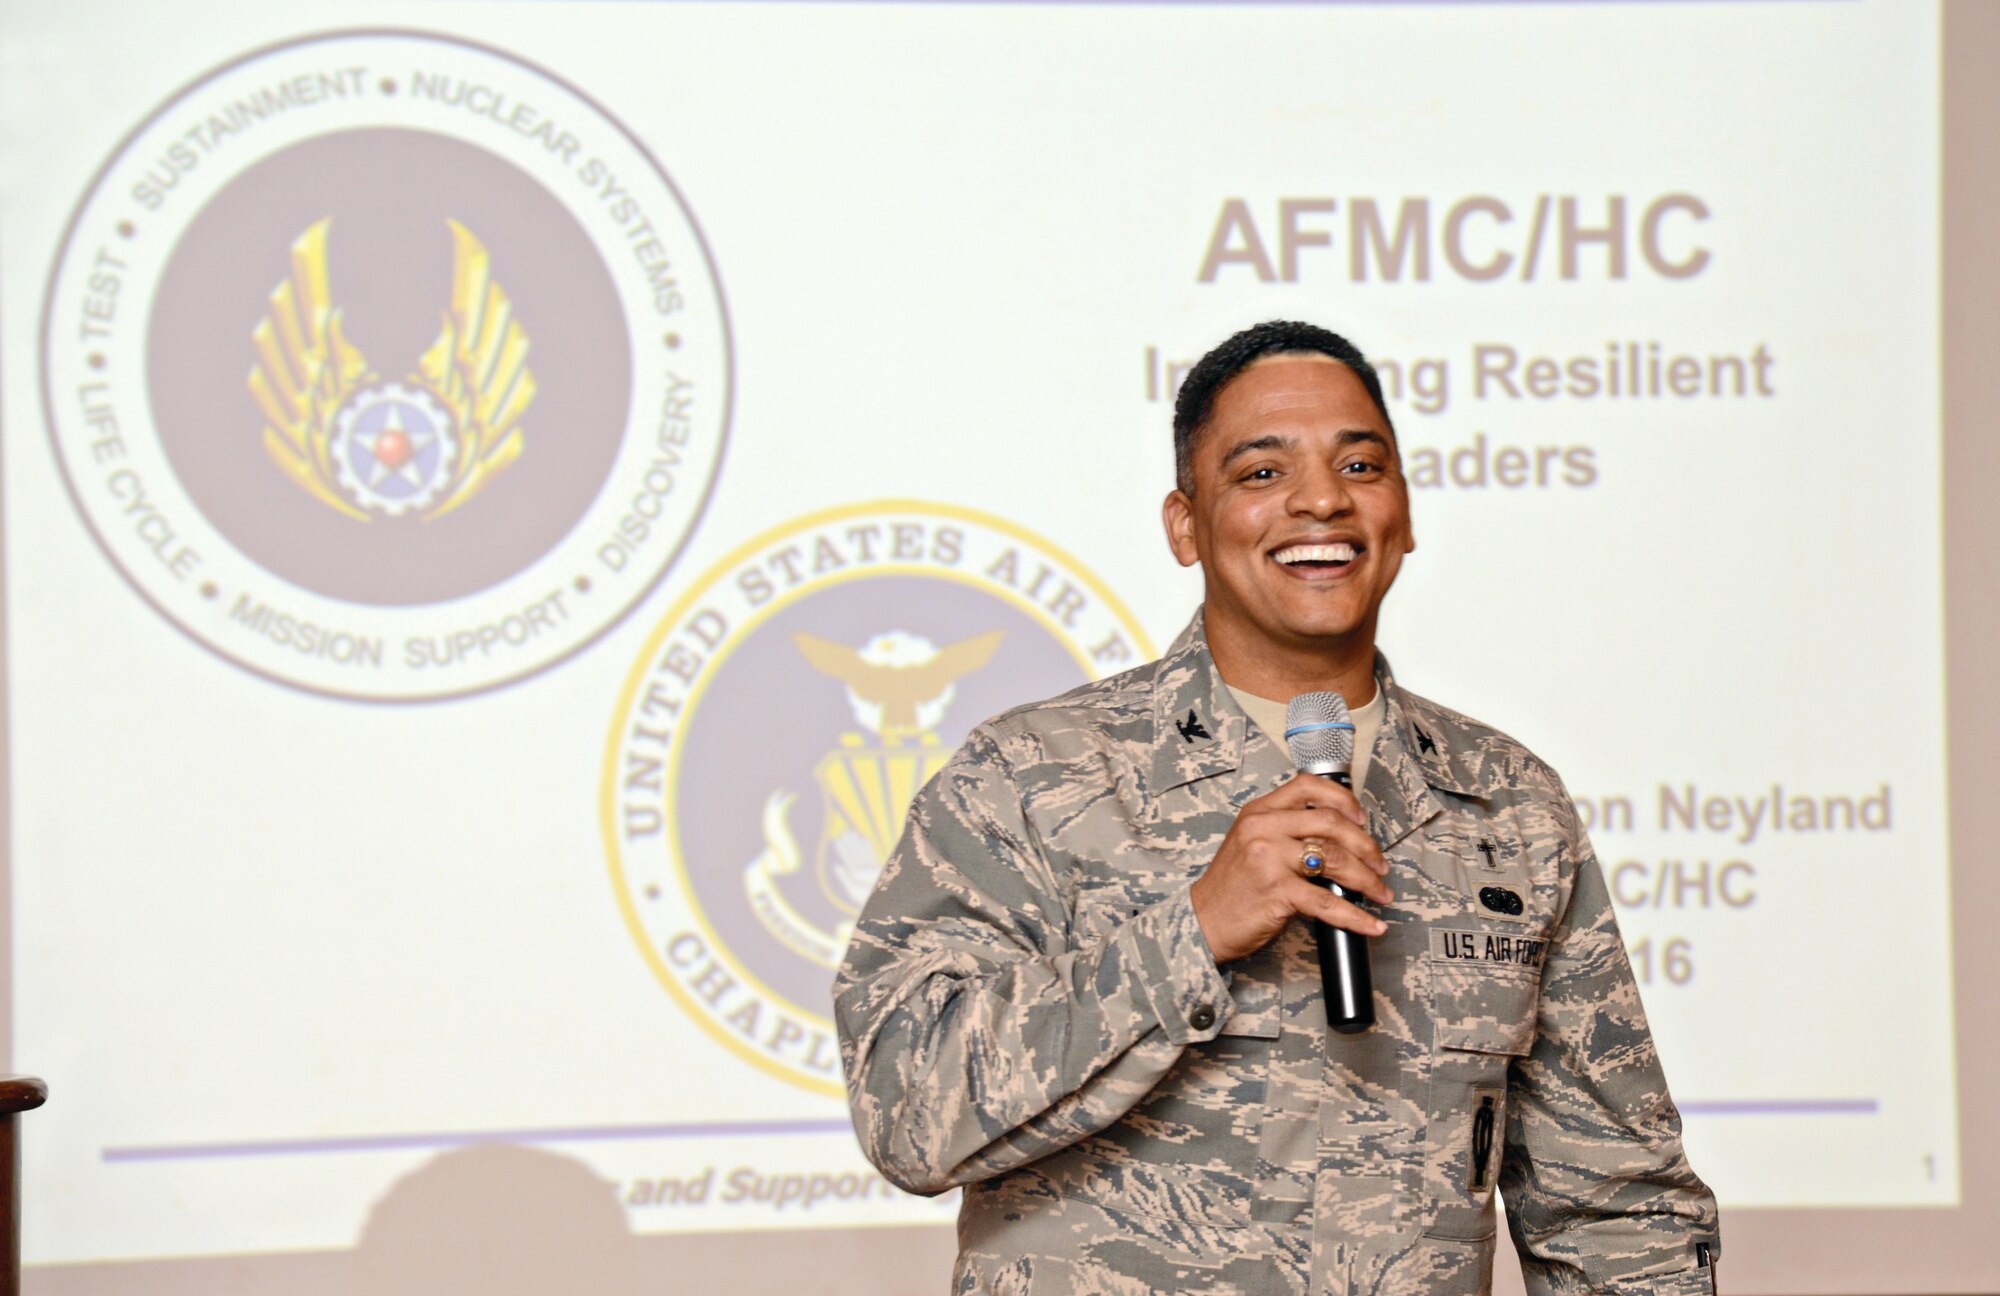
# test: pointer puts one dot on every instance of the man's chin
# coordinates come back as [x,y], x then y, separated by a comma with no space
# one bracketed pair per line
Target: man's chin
[1287,627]
[1315,618]
[1313,633]
[1327,637]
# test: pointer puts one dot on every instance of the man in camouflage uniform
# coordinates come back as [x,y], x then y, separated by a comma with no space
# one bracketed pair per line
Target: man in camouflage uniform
[1085,991]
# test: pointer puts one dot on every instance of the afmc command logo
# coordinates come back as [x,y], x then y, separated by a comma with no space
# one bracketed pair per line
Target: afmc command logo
[386,365]
[781,718]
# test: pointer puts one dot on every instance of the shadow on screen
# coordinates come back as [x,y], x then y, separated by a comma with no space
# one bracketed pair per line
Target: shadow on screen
[500,1221]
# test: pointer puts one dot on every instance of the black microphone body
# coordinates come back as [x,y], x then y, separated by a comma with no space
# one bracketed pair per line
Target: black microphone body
[1320,736]
[1344,973]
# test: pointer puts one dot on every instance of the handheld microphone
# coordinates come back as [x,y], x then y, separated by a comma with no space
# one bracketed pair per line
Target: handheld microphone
[1319,732]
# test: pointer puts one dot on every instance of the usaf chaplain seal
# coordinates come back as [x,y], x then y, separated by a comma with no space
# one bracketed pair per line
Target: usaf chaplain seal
[778,722]
[386,366]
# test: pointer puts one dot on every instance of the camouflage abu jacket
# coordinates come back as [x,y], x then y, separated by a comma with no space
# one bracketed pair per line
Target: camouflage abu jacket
[1028,1009]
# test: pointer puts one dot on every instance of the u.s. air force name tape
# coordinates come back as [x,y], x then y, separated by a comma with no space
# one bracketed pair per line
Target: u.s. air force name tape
[781,717]
[386,365]
[1501,948]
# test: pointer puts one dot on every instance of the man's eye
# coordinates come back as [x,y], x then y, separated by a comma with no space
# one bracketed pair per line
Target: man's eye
[1361,466]
[1265,473]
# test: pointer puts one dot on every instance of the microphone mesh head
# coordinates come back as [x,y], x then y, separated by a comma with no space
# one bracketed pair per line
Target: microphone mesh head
[1320,732]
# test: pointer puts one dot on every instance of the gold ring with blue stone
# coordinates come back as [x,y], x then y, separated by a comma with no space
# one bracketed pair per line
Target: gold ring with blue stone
[1313,858]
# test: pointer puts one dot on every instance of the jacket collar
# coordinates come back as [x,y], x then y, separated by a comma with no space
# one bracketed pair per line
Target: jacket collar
[1409,761]
[1430,747]
[1199,731]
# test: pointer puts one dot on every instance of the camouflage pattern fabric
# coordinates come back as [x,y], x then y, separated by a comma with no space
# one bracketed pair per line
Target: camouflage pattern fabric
[1028,1009]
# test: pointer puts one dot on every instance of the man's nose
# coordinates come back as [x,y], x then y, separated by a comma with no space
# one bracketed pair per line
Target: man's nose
[1318,491]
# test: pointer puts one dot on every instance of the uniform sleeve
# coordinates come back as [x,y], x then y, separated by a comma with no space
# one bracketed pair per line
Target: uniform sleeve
[1600,1196]
[977,1035]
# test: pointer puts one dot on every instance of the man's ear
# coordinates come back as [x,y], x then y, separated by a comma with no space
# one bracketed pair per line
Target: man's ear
[1178,515]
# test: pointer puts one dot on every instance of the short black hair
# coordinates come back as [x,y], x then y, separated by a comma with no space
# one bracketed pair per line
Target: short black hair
[1214,371]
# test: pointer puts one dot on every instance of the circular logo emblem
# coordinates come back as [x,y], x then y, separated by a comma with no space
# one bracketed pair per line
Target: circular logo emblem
[779,721]
[393,448]
[386,365]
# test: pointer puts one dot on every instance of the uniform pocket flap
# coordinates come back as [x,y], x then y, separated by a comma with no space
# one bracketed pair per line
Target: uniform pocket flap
[1502,1034]
[1485,1007]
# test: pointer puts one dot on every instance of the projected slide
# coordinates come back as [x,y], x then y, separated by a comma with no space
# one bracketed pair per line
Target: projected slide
[474,496]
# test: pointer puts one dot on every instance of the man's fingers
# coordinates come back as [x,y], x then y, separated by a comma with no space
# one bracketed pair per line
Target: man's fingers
[1323,824]
[1355,876]
[1318,902]
[1320,820]
[1303,790]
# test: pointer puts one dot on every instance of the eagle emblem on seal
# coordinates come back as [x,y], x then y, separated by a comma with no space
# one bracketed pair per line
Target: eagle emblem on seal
[370,448]
[898,687]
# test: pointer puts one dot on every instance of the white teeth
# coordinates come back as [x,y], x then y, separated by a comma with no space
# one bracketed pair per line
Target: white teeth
[1333,553]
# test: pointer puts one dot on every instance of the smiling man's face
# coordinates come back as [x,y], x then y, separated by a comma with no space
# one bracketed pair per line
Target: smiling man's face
[1299,516]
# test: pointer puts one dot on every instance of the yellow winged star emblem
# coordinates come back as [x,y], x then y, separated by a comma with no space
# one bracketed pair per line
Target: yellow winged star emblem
[898,687]
[369,448]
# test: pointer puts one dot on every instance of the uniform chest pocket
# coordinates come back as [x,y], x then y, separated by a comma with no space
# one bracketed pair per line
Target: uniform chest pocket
[1483,1015]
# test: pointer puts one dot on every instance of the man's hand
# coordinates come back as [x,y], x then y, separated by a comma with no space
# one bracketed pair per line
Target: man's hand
[1257,880]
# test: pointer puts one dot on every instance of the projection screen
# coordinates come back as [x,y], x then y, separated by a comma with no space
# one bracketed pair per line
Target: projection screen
[459,459]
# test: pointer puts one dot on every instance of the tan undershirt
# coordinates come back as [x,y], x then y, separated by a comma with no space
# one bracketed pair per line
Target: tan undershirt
[1270,717]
